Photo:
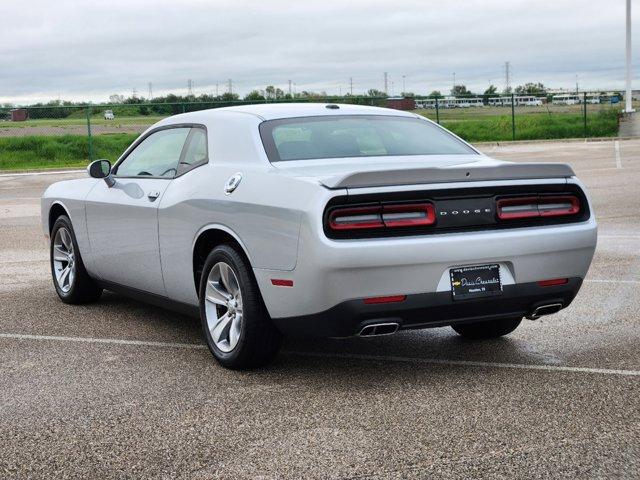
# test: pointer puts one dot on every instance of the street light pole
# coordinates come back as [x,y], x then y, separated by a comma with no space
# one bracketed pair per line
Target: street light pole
[628,95]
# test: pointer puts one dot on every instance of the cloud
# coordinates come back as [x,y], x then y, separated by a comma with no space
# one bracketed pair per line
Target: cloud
[79,50]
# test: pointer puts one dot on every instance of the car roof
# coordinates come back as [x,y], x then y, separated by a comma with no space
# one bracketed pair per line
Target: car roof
[272,111]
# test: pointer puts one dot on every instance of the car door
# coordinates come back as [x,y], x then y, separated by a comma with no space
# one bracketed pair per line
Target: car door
[122,220]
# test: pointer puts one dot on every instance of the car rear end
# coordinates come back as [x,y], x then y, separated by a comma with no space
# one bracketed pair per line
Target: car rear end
[381,258]
[411,241]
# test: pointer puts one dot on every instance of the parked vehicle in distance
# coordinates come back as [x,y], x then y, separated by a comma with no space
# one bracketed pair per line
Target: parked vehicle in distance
[108,115]
[320,220]
[528,101]
[565,99]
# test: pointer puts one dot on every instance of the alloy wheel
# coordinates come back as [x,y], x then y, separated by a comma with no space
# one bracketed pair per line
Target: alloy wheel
[64,265]
[223,306]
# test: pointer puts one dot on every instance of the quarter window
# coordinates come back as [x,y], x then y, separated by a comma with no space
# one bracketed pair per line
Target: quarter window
[156,156]
[195,151]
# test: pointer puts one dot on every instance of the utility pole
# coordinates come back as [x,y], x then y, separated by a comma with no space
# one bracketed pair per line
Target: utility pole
[453,89]
[386,83]
[404,87]
[150,91]
[577,88]
[134,93]
[217,91]
[189,87]
[230,87]
[351,85]
[507,76]
[290,89]
[628,95]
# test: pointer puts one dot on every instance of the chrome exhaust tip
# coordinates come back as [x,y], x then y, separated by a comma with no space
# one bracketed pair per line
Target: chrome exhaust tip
[548,309]
[378,329]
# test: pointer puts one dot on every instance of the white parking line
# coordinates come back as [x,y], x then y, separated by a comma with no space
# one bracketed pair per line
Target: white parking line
[616,147]
[595,280]
[111,341]
[470,363]
[350,356]
[28,174]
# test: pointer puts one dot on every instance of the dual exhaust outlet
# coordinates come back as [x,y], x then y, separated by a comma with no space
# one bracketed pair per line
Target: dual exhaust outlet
[389,328]
[377,329]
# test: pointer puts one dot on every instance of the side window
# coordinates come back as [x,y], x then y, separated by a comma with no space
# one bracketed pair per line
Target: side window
[156,156]
[195,151]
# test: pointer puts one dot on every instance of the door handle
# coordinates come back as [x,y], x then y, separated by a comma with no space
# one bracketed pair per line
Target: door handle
[153,195]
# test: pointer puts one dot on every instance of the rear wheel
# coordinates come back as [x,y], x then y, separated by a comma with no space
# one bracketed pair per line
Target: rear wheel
[487,329]
[234,320]
[71,280]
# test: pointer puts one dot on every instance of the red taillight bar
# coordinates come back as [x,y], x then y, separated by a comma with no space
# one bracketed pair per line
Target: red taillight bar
[389,299]
[553,282]
[356,218]
[528,207]
[420,214]
[383,216]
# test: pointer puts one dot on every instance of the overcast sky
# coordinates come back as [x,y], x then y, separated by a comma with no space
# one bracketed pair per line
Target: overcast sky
[76,50]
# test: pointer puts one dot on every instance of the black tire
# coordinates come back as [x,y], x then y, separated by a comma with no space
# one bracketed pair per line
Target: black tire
[83,288]
[487,329]
[259,340]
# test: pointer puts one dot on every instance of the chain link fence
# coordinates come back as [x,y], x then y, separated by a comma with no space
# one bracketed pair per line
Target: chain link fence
[57,136]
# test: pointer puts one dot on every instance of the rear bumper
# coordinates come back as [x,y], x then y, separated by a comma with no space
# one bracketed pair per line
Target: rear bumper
[426,310]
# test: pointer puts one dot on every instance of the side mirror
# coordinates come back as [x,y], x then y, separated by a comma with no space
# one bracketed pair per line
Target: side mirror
[101,169]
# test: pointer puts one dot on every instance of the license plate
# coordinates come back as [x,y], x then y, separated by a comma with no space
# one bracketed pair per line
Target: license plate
[476,281]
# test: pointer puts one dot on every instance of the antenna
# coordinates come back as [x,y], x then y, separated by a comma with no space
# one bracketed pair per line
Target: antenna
[386,83]
[230,87]
[189,88]
[507,76]
[150,95]
[289,88]
[351,85]
[217,93]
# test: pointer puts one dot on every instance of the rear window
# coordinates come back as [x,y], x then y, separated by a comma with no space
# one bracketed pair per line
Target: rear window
[341,136]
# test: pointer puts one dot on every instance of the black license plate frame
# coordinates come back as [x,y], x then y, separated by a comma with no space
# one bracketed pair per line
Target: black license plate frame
[475,281]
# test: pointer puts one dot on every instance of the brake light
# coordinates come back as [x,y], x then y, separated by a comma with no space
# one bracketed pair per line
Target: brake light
[382,216]
[528,207]
[553,282]
[421,214]
[389,299]
[356,218]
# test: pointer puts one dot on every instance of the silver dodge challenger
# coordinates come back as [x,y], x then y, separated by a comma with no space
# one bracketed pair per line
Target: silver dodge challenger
[320,220]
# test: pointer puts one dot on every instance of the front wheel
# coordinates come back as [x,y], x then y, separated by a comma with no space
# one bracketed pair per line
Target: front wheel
[235,323]
[487,329]
[73,283]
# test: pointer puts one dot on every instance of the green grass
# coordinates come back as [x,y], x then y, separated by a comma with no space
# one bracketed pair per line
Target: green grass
[40,151]
[603,123]
[81,121]
[29,152]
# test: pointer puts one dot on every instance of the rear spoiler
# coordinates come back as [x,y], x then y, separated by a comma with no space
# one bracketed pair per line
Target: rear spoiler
[414,176]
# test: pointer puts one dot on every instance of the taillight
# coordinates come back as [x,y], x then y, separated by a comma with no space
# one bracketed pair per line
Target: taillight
[382,216]
[356,218]
[542,206]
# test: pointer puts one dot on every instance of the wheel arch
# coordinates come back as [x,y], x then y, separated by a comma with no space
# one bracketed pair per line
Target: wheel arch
[56,210]
[208,238]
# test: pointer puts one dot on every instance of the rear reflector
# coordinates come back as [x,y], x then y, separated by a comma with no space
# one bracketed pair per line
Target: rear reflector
[382,216]
[280,282]
[527,207]
[390,299]
[553,282]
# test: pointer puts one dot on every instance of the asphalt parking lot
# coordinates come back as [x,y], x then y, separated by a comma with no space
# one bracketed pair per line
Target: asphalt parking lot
[121,389]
